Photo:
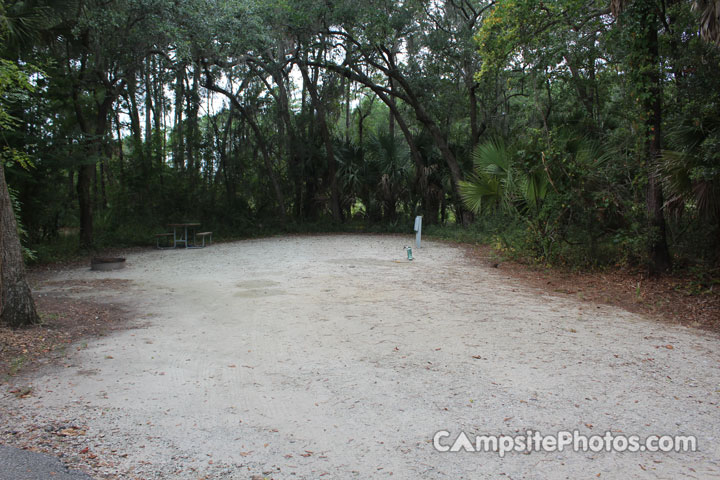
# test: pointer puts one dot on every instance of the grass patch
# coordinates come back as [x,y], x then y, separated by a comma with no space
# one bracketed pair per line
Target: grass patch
[16,364]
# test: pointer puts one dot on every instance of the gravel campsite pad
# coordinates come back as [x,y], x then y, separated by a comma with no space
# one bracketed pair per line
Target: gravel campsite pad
[335,357]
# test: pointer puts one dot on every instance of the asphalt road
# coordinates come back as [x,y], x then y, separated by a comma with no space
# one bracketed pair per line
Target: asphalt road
[16,464]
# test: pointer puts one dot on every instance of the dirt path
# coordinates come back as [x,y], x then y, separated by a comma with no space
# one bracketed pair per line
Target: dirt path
[332,357]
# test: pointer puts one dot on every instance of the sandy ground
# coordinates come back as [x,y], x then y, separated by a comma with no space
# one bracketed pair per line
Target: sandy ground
[333,357]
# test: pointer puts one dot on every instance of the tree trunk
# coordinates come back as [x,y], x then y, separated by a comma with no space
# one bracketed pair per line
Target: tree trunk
[327,140]
[148,113]
[229,182]
[476,128]
[104,178]
[660,260]
[294,159]
[431,204]
[179,140]
[85,174]
[17,307]
[121,154]
[193,163]
[347,111]
[645,69]
[95,189]
[158,114]
[71,183]
[268,163]
[391,110]
[134,113]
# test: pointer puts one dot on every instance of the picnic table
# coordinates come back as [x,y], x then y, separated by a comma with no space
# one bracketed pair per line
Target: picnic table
[181,237]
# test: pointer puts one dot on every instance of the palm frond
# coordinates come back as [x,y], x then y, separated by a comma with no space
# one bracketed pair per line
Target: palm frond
[535,188]
[480,194]
[22,22]
[709,20]
[689,171]
[493,182]
[492,156]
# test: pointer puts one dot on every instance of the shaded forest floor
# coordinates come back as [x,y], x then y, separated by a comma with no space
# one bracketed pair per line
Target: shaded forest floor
[65,321]
[675,299]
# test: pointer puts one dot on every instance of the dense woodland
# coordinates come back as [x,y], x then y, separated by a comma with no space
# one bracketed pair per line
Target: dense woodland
[573,132]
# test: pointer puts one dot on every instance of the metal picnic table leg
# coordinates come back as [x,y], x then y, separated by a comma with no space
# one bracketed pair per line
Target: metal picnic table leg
[194,244]
[177,240]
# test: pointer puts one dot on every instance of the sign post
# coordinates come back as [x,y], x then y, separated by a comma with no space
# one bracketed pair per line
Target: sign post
[418,229]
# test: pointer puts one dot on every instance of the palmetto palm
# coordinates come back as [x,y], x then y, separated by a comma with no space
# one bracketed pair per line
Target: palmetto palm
[709,20]
[351,172]
[492,181]
[392,162]
[496,183]
[691,171]
[24,22]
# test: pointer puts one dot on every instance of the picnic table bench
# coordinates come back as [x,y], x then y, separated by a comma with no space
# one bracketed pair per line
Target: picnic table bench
[203,235]
[159,236]
[182,238]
